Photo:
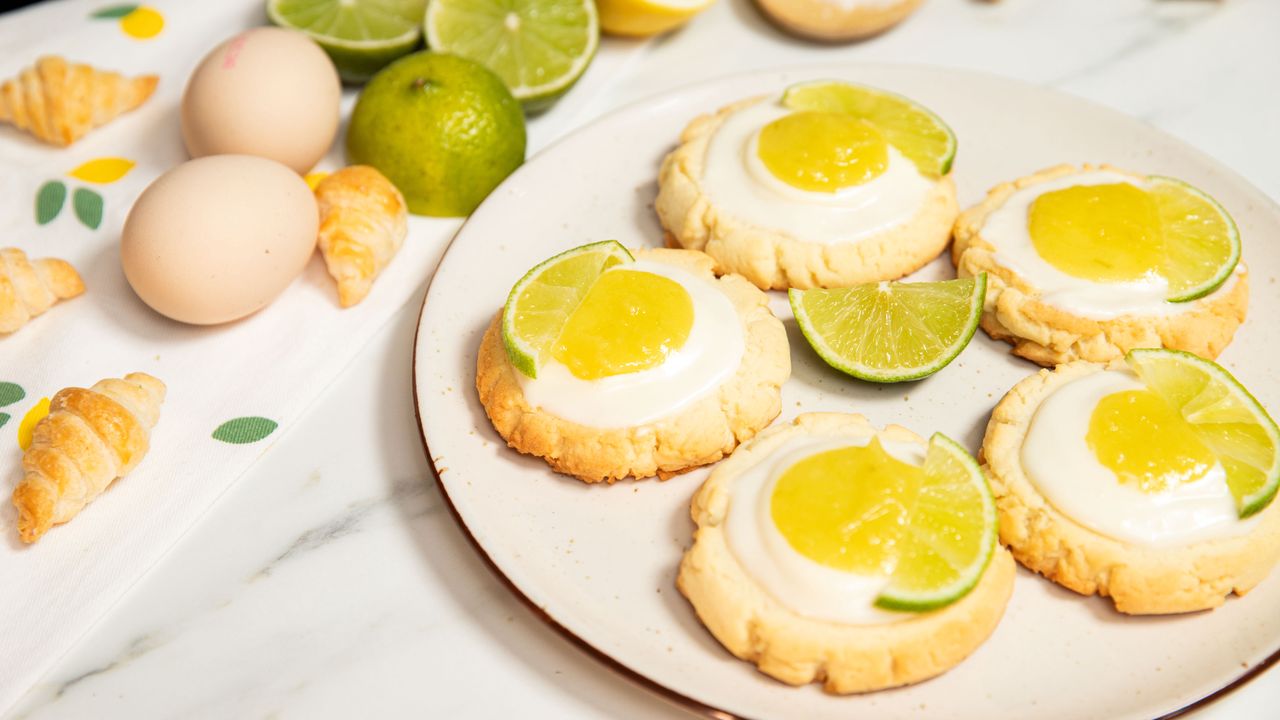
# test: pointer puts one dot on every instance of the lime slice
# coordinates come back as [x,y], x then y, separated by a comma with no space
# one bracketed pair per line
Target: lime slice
[889,331]
[541,303]
[1202,245]
[642,18]
[908,126]
[538,47]
[949,536]
[361,36]
[1225,416]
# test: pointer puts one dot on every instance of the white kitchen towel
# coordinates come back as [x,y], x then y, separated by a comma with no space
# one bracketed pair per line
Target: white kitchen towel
[252,378]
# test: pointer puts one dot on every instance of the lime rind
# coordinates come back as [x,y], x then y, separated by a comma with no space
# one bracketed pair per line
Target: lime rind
[863,371]
[388,29]
[1227,267]
[534,96]
[943,448]
[823,95]
[1143,360]
[524,356]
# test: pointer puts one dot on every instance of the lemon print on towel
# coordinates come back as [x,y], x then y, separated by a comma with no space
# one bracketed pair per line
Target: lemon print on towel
[87,204]
[137,21]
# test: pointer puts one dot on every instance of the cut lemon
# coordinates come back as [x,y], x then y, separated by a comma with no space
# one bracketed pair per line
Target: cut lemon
[949,534]
[908,126]
[890,331]
[538,47]
[642,18]
[543,300]
[360,36]
[1227,419]
[1201,242]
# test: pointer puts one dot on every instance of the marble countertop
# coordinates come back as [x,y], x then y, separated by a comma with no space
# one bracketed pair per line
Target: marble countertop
[331,581]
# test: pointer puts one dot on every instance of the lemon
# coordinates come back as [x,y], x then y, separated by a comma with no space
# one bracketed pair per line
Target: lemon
[538,47]
[910,127]
[360,36]
[891,331]
[1201,242]
[929,529]
[642,18]
[1225,417]
[443,129]
[542,302]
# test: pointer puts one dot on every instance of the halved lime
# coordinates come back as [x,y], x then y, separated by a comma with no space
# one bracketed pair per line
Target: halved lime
[949,535]
[907,125]
[542,301]
[538,47]
[360,36]
[1226,417]
[891,331]
[1202,244]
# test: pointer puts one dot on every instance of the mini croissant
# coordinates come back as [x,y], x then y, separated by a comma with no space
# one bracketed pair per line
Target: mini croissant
[29,287]
[88,439]
[363,222]
[60,102]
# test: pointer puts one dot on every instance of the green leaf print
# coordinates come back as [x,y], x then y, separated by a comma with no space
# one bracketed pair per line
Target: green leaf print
[4,418]
[11,393]
[113,12]
[244,430]
[88,205]
[49,201]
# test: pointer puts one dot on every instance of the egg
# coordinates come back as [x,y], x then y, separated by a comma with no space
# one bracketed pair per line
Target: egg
[269,92]
[798,582]
[1008,230]
[739,183]
[1059,460]
[709,356]
[217,238]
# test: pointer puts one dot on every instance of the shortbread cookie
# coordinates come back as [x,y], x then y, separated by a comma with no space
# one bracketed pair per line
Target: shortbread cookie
[703,426]
[793,625]
[1153,571]
[1073,321]
[837,20]
[716,195]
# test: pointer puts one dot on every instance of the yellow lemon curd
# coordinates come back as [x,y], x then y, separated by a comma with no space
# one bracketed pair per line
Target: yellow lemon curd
[1138,436]
[823,151]
[1104,233]
[846,508]
[630,320]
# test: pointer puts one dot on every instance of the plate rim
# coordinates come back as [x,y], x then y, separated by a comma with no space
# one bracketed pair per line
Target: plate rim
[663,692]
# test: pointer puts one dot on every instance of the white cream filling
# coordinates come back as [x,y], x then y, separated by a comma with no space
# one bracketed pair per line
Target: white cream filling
[708,358]
[803,585]
[1057,460]
[1007,230]
[737,182]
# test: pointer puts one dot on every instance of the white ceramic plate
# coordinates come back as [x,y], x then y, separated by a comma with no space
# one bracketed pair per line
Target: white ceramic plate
[600,562]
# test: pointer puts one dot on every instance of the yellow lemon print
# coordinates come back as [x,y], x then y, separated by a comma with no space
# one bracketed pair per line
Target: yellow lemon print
[28,424]
[103,170]
[313,178]
[143,23]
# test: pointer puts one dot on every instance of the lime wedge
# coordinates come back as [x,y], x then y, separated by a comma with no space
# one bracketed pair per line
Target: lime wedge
[949,535]
[1229,421]
[908,126]
[1202,245]
[890,331]
[538,47]
[542,301]
[361,36]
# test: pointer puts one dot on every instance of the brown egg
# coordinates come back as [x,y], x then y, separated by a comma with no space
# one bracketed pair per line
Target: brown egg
[268,92]
[216,239]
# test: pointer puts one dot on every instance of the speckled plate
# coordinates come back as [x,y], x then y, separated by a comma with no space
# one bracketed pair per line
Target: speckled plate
[599,562]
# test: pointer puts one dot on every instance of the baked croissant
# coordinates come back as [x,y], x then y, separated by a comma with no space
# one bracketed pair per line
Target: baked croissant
[60,102]
[363,221]
[88,439]
[29,287]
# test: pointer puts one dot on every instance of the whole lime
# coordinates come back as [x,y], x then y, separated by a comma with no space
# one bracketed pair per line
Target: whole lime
[445,130]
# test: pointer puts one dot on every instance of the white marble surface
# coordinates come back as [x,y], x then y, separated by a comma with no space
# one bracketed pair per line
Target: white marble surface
[330,581]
